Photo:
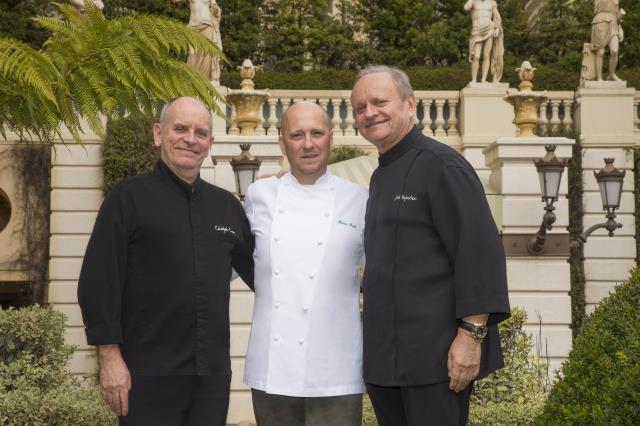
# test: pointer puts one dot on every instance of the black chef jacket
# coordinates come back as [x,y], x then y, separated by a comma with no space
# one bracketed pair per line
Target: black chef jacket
[155,276]
[434,255]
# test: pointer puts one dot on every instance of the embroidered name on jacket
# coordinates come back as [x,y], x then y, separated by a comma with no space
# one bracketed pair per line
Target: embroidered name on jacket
[347,224]
[405,197]
[224,229]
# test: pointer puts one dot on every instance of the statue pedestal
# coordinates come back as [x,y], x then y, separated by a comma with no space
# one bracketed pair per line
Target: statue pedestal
[481,108]
[220,123]
[605,84]
[484,117]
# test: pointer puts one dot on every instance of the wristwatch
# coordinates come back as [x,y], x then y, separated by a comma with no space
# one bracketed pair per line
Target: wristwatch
[478,331]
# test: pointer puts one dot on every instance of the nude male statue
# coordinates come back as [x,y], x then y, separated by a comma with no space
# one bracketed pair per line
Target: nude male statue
[606,32]
[486,40]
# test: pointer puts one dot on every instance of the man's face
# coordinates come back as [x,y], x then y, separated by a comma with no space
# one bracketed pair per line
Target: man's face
[306,141]
[185,137]
[382,117]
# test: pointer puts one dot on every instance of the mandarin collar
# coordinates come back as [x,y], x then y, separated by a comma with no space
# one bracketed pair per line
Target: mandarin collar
[167,174]
[399,149]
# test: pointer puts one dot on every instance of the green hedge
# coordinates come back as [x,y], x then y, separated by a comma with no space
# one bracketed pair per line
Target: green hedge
[128,149]
[455,77]
[35,387]
[600,382]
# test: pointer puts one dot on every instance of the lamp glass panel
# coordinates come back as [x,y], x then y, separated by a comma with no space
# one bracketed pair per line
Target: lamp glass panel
[552,183]
[543,187]
[603,192]
[245,178]
[612,193]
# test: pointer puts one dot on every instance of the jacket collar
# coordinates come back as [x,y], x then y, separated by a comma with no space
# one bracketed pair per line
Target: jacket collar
[168,176]
[399,149]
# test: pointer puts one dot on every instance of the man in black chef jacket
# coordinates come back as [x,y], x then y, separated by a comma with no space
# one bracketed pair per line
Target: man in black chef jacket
[435,277]
[154,284]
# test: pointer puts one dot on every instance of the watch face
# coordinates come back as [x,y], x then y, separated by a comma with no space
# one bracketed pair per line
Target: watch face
[480,331]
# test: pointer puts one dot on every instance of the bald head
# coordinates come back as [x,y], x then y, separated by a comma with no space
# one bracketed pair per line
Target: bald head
[177,102]
[306,139]
[302,108]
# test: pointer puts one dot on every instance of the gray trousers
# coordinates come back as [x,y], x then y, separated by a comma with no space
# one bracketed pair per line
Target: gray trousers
[280,410]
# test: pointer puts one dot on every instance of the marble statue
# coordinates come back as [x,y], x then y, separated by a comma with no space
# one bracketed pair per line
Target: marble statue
[486,40]
[606,32]
[79,4]
[205,17]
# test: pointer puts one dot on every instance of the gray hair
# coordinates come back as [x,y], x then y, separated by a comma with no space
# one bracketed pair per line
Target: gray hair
[400,78]
[164,112]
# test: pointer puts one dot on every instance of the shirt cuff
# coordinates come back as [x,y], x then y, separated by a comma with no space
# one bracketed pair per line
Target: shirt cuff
[108,334]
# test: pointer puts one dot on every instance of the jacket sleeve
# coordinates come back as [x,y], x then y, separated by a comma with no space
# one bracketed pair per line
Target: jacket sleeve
[103,273]
[242,255]
[469,234]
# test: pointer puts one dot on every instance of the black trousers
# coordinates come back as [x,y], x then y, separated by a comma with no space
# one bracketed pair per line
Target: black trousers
[281,410]
[424,405]
[178,401]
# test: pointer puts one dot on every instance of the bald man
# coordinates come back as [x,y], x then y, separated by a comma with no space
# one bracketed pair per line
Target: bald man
[154,285]
[304,361]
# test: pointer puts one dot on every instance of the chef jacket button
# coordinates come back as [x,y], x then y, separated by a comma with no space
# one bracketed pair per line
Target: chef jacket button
[276,338]
[300,341]
[319,243]
[276,272]
[333,188]
[326,214]
[311,277]
[277,305]
[276,239]
[305,308]
[280,211]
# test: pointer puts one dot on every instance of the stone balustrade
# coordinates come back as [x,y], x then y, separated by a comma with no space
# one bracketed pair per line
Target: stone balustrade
[556,115]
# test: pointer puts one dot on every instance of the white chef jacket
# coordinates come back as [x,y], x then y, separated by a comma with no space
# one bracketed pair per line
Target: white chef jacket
[306,336]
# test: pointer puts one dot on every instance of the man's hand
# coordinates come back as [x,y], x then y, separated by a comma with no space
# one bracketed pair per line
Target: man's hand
[115,380]
[463,361]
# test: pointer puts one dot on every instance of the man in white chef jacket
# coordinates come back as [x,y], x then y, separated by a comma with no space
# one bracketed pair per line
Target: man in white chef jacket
[304,360]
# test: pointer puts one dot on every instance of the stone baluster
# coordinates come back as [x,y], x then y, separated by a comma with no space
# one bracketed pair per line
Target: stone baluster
[336,121]
[568,115]
[453,117]
[636,118]
[416,120]
[555,116]
[273,117]
[440,117]
[234,130]
[349,120]
[286,102]
[324,103]
[426,119]
[543,122]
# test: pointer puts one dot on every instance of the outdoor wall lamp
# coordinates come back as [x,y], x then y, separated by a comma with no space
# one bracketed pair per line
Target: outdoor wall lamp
[244,167]
[610,182]
[550,170]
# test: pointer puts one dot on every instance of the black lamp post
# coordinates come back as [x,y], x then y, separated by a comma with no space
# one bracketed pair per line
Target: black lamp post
[550,170]
[244,167]
[610,182]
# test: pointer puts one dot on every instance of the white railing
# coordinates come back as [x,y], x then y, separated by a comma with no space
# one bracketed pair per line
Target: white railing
[437,111]
[556,115]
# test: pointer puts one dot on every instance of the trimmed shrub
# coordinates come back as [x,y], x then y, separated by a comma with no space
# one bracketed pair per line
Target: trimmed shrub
[454,77]
[515,394]
[128,149]
[35,388]
[600,382]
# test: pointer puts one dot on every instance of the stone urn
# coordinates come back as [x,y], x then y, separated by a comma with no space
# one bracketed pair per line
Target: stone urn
[247,101]
[526,103]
